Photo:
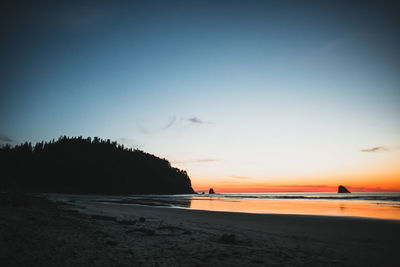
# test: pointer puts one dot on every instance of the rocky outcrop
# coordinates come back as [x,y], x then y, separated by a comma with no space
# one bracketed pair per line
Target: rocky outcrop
[211,191]
[342,189]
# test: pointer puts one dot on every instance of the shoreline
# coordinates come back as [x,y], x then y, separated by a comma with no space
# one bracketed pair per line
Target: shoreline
[348,217]
[124,210]
[48,233]
[380,208]
[360,241]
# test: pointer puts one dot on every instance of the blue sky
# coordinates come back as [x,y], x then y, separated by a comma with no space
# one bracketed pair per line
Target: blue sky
[220,88]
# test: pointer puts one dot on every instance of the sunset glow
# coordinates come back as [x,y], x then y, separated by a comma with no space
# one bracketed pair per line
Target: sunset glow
[365,178]
[210,133]
[330,208]
[250,96]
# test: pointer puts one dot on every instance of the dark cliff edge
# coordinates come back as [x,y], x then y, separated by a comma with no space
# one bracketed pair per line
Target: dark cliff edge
[88,166]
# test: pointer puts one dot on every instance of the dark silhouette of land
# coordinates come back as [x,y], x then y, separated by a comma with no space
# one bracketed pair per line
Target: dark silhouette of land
[342,189]
[88,166]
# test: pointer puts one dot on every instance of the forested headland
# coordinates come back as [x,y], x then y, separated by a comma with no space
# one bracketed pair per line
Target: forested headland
[88,166]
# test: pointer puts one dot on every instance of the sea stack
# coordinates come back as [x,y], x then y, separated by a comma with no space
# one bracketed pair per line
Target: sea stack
[211,191]
[342,189]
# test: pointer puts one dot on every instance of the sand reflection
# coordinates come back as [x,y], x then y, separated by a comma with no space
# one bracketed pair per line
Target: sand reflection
[311,207]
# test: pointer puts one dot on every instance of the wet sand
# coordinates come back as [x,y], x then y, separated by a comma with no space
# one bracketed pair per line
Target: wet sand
[96,234]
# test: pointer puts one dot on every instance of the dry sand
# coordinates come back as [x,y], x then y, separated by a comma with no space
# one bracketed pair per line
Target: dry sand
[49,234]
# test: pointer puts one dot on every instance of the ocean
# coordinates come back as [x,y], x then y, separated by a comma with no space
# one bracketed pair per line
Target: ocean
[370,205]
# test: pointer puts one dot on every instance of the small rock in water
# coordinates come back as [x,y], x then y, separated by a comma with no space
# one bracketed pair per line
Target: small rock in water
[342,189]
[211,191]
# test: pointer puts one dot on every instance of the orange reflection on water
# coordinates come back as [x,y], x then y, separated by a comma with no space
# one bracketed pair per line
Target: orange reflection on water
[310,207]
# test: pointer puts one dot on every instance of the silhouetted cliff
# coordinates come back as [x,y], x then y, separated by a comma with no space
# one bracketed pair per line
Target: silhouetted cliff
[91,166]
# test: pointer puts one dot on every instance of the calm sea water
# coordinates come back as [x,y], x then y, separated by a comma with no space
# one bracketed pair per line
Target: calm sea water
[372,205]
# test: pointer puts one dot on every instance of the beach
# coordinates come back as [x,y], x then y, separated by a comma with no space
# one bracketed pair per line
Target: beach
[39,232]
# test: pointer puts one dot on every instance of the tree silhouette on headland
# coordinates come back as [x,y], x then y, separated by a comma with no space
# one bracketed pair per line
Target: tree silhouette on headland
[90,166]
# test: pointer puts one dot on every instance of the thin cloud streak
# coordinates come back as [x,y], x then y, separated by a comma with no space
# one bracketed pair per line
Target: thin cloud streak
[206,160]
[195,161]
[240,177]
[195,120]
[337,43]
[170,122]
[5,138]
[374,149]
[142,130]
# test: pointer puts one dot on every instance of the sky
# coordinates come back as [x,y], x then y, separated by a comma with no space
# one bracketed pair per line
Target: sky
[244,95]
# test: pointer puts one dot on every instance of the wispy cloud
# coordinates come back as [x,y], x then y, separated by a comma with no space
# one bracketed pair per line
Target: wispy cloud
[375,149]
[195,120]
[171,122]
[143,130]
[194,161]
[343,41]
[5,138]
[240,177]
[206,160]
[334,44]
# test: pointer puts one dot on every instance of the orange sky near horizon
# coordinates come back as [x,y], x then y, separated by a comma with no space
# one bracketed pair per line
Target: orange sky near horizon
[300,171]
[249,188]
[294,188]
[385,182]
